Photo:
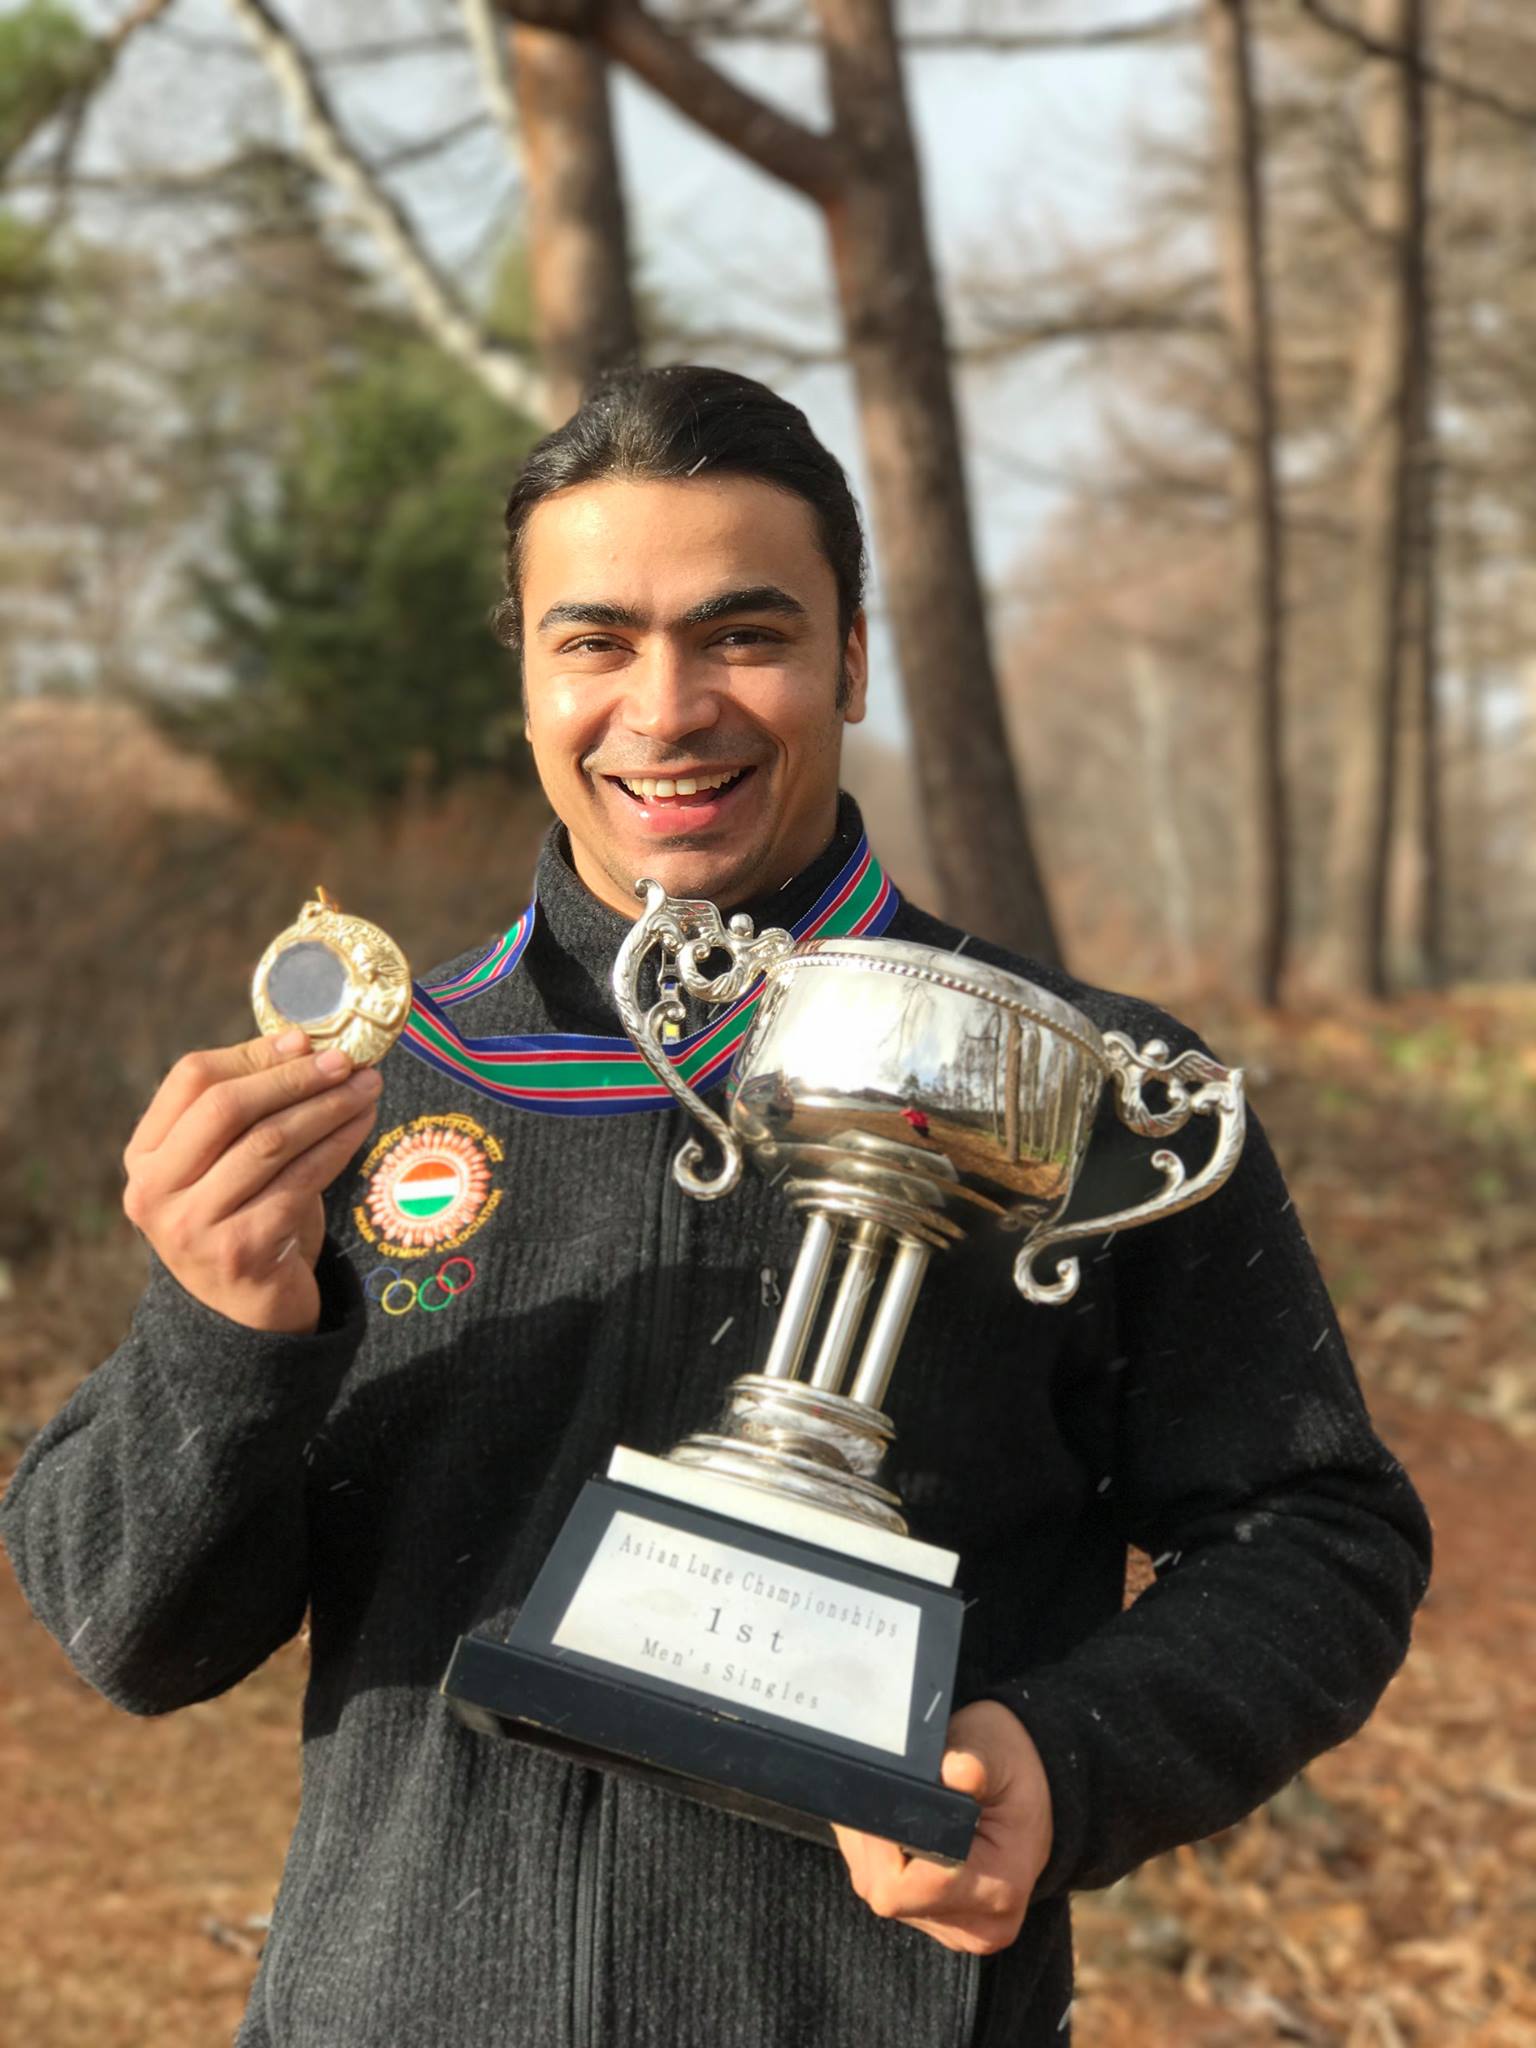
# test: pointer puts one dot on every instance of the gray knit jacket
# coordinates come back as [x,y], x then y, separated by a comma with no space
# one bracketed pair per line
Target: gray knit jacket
[401,1477]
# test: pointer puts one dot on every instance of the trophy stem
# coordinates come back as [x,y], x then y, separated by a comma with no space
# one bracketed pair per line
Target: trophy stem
[859,1269]
[805,1439]
[802,1299]
[890,1324]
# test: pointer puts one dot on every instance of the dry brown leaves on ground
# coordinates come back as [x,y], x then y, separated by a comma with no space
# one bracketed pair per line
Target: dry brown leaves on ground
[1389,1899]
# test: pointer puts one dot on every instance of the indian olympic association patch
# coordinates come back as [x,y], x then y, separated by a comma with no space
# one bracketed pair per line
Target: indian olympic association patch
[428,1186]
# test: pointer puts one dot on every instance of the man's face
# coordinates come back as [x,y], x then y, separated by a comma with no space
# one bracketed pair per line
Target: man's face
[676,634]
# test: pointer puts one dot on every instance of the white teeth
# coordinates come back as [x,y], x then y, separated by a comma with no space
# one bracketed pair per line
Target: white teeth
[650,786]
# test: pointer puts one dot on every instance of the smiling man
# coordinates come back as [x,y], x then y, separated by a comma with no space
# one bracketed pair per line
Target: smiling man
[395,1320]
[688,721]
[692,646]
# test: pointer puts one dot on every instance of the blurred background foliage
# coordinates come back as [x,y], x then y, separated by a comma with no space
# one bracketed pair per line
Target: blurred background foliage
[46,55]
[357,570]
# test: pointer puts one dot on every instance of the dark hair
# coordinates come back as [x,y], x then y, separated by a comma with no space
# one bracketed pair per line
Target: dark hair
[678,421]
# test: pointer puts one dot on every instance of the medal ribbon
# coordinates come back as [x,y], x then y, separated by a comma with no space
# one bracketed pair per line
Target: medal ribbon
[570,1073]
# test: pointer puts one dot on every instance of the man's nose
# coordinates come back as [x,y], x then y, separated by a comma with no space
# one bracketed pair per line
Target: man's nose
[670,694]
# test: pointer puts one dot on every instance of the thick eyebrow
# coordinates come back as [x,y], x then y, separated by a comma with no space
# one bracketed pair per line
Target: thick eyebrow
[590,612]
[759,597]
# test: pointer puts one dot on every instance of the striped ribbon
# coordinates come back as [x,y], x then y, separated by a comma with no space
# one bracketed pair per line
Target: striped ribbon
[568,1073]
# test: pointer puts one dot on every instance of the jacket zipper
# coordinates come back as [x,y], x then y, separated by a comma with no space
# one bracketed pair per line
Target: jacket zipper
[669,1218]
[586,1964]
[589,1888]
[970,1999]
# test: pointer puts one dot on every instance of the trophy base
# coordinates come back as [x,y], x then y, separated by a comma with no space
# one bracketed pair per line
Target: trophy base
[788,1682]
[703,1754]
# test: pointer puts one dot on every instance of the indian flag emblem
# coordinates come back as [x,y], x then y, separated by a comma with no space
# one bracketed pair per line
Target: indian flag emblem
[429,1185]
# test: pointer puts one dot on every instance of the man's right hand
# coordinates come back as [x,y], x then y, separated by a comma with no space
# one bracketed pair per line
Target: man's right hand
[228,1166]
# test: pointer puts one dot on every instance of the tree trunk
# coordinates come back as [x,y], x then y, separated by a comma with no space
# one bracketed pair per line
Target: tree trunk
[973,812]
[1386,409]
[1241,233]
[1475,894]
[578,247]
[1429,731]
[1149,695]
[864,178]
[1432,933]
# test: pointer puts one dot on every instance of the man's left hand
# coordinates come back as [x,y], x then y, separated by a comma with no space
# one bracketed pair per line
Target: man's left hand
[976,1906]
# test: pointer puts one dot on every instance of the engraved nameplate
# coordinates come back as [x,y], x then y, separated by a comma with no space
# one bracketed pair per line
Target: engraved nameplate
[759,1636]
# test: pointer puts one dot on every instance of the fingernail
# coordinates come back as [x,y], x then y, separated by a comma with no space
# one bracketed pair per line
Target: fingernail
[334,1061]
[367,1081]
[292,1041]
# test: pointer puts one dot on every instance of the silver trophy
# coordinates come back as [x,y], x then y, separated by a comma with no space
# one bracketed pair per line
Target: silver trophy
[747,1619]
[899,1097]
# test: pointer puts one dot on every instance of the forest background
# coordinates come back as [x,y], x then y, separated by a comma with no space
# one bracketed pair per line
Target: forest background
[1180,355]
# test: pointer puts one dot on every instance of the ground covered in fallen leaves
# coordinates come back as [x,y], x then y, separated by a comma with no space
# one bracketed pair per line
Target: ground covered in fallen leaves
[1387,1900]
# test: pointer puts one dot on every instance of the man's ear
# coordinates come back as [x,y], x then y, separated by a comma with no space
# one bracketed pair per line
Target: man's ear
[856,670]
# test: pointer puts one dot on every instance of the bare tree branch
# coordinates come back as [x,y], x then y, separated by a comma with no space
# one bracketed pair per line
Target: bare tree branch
[1002,337]
[105,52]
[1070,303]
[1002,340]
[434,300]
[61,172]
[716,25]
[194,184]
[1429,72]
[1079,483]
[713,25]
[381,52]
[202,181]
[487,33]
[431,145]
[705,344]
[802,157]
[111,45]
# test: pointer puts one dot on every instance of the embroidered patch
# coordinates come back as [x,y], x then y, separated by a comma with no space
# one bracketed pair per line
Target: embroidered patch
[429,1185]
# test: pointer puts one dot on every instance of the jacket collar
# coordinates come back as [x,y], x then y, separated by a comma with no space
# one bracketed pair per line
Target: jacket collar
[576,937]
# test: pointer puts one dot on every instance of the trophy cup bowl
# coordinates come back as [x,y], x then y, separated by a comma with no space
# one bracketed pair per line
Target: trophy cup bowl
[900,1098]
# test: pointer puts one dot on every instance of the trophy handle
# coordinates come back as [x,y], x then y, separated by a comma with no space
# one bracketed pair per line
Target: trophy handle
[688,932]
[1195,1086]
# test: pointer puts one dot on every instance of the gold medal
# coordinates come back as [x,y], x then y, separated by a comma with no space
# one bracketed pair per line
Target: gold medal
[339,978]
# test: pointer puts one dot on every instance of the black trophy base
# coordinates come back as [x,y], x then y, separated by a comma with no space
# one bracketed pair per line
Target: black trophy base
[735,1754]
[699,1751]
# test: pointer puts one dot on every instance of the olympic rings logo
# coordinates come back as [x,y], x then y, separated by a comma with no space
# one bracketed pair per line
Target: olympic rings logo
[398,1296]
